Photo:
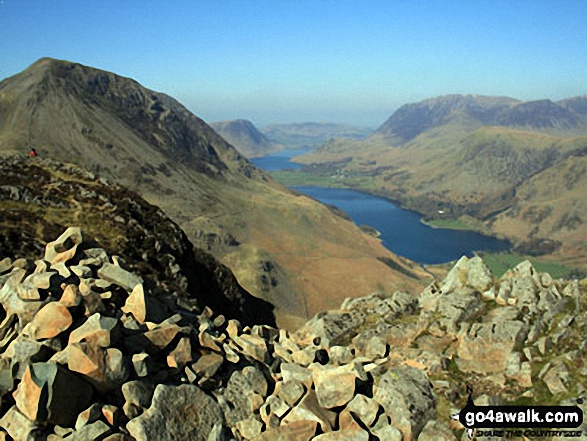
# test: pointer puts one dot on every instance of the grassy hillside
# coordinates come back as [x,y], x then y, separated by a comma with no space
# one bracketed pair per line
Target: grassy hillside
[526,185]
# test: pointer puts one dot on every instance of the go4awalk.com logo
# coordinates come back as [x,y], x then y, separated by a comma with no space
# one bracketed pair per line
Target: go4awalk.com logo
[518,421]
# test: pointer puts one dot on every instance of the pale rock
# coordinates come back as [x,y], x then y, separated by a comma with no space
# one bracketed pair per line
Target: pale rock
[555,379]
[341,354]
[231,355]
[365,408]
[252,346]
[142,364]
[64,247]
[82,271]
[384,430]
[71,297]
[51,320]
[407,398]
[115,274]
[176,413]
[207,365]
[18,426]
[291,391]
[136,304]
[249,428]
[233,328]
[334,386]
[355,434]
[88,416]
[486,347]
[310,409]
[138,396]
[181,354]
[93,431]
[436,431]
[50,394]
[97,330]
[292,371]
[301,430]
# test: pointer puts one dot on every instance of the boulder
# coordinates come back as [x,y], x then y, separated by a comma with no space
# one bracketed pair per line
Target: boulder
[49,393]
[64,247]
[406,395]
[177,413]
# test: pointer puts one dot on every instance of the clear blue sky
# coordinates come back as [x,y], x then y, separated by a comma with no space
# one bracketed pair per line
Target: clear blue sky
[352,61]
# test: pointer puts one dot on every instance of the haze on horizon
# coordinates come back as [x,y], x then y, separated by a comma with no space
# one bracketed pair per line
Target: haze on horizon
[310,60]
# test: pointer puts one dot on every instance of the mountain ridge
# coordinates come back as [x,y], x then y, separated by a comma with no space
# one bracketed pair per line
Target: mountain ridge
[152,144]
[246,137]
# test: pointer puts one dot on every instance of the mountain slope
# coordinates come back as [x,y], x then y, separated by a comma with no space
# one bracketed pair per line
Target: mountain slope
[39,198]
[272,239]
[512,165]
[246,138]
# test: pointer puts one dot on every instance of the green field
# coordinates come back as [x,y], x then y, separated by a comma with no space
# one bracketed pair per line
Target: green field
[453,224]
[499,263]
[299,178]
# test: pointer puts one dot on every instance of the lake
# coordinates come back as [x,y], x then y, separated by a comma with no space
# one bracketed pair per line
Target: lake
[279,160]
[401,230]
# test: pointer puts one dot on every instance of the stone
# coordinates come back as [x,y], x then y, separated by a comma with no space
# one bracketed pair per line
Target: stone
[406,395]
[13,304]
[364,408]
[71,297]
[105,368]
[436,431]
[121,277]
[18,426]
[51,320]
[310,409]
[182,412]
[136,304]
[208,364]
[50,394]
[555,379]
[97,330]
[245,393]
[142,364]
[486,347]
[302,430]
[64,247]
[138,396]
[334,386]
[88,416]
[249,428]
[355,434]
[341,354]
[252,346]
[181,355]
[291,391]
[93,431]
[384,430]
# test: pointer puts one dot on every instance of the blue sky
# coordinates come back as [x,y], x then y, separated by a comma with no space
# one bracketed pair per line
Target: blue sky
[350,61]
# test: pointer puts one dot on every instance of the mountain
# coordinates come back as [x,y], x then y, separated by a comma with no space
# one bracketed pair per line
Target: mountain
[474,111]
[40,198]
[516,167]
[282,246]
[309,135]
[243,135]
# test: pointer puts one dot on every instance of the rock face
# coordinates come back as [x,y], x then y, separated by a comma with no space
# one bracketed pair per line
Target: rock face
[86,360]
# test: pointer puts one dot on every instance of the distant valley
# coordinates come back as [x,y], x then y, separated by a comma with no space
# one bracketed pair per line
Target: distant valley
[511,168]
[283,247]
[309,135]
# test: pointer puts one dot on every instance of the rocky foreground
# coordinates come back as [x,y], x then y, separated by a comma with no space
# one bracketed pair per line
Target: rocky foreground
[87,355]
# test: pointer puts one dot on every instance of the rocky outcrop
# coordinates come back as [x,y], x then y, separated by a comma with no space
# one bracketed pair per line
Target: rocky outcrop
[88,351]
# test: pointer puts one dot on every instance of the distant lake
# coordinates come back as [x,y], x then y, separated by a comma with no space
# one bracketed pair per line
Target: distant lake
[401,230]
[279,160]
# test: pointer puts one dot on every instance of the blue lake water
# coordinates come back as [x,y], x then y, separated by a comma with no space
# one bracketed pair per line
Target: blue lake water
[279,160]
[401,230]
